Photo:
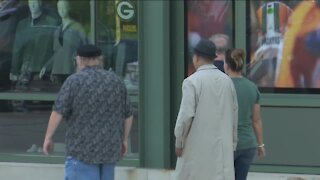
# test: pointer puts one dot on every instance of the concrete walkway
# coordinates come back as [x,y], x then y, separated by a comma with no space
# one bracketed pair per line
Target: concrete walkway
[277,176]
[152,174]
[30,171]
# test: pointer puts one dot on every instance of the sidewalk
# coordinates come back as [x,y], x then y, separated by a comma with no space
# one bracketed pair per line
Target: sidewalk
[277,176]
[30,171]
[155,174]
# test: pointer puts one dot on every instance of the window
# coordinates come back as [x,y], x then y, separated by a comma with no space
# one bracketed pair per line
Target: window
[116,34]
[283,42]
[209,19]
[38,41]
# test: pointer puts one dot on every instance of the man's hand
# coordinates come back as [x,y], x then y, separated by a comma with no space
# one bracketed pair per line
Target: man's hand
[261,152]
[47,146]
[42,72]
[13,77]
[54,121]
[124,148]
[179,152]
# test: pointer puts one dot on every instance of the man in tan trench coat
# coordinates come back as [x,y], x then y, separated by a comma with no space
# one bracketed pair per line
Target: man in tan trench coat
[206,127]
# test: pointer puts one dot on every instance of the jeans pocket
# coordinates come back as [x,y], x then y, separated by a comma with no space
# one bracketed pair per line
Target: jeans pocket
[70,168]
[70,162]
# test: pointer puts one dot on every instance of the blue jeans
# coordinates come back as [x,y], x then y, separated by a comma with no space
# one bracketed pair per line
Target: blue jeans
[78,170]
[242,161]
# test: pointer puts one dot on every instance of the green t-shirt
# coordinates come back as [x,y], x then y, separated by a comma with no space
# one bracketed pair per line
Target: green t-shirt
[248,95]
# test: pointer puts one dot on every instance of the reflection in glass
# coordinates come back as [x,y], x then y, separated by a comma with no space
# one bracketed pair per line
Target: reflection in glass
[31,57]
[22,127]
[11,12]
[37,45]
[33,45]
[67,38]
[118,40]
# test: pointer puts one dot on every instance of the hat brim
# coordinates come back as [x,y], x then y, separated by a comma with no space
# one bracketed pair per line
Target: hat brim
[198,53]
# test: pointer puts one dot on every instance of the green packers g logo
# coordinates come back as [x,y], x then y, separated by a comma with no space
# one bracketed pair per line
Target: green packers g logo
[126,10]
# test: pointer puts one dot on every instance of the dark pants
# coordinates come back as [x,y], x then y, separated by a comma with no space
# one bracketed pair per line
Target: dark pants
[5,64]
[242,161]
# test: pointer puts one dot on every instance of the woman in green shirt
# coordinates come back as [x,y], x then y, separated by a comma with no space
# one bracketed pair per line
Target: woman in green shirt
[250,138]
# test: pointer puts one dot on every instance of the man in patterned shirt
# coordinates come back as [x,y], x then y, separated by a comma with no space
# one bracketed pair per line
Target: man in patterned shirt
[94,104]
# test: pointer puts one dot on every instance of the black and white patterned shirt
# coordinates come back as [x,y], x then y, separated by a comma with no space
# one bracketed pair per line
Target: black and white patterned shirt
[94,104]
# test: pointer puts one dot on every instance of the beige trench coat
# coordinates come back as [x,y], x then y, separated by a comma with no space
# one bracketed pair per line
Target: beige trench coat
[206,126]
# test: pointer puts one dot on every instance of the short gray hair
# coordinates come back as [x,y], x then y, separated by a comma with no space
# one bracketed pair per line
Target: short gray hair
[220,48]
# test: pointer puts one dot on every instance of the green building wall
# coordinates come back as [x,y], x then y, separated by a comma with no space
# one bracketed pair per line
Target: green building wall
[291,121]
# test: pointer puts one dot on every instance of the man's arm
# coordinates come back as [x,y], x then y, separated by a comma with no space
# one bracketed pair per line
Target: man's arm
[127,128]
[185,116]
[54,122]
[257,127]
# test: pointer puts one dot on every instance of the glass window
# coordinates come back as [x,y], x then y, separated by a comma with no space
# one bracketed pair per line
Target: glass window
[23,125]
[284,41]
[209,19]
[38,41]
[117,36]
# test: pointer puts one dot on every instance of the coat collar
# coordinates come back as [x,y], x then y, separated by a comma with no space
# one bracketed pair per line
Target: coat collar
[207,66]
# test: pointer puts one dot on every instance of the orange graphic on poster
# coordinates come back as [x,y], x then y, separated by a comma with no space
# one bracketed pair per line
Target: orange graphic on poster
[283,15]
[297,63]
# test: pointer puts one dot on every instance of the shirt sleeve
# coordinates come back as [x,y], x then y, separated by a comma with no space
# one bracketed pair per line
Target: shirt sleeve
[63,103]
[186,113]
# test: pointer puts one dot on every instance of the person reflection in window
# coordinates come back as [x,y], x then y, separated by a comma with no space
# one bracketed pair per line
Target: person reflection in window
[33,45]
[11,12]
[67,38]
[222,44]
